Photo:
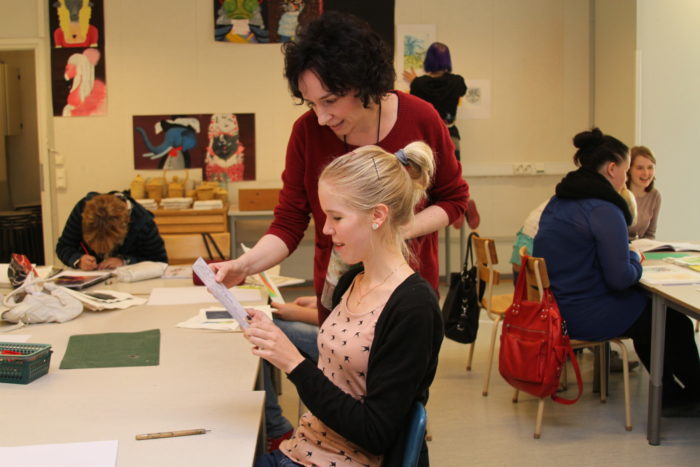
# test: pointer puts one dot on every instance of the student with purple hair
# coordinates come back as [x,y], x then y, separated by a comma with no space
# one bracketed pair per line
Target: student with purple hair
[443,89]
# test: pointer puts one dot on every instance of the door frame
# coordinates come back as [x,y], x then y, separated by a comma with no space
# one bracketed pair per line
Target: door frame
[44,134]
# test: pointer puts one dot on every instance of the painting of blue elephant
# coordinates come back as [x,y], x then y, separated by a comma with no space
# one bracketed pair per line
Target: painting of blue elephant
[222,144]
[178,137]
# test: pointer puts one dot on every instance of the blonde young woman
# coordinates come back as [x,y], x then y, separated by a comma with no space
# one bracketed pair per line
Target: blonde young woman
[378,348]
[640,180]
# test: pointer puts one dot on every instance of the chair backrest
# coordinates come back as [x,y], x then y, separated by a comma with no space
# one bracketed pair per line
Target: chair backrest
[536,277]
[185,248]
[486,258]
[415,435]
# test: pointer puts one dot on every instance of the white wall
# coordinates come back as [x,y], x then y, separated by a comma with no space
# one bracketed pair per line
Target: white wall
[669,109]
[536,53]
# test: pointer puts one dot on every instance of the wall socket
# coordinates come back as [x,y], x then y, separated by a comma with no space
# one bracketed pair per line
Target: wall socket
[528,168]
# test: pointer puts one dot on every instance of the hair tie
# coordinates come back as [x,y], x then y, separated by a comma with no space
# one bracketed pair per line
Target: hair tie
[401,156]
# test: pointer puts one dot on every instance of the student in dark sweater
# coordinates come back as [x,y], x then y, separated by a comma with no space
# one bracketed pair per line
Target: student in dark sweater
[378,349]
[105,231]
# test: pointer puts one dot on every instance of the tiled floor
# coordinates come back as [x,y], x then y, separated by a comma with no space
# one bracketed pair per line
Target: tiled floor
[469,429]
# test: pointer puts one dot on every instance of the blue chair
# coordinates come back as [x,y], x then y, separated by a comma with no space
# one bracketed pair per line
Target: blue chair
[415,435]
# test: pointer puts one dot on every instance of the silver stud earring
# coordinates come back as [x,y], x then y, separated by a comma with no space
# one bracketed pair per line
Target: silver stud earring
[375,226]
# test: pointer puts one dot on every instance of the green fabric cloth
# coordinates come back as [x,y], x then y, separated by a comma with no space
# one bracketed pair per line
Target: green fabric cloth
[112,349]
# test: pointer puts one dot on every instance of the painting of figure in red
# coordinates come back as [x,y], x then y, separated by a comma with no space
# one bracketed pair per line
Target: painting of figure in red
[77,58]
[75,26]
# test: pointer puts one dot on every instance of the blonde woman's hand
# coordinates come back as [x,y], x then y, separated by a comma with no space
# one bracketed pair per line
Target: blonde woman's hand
[270,343]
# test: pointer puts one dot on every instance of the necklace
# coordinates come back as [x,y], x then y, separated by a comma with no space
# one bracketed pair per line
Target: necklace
[379,125]
[363,295]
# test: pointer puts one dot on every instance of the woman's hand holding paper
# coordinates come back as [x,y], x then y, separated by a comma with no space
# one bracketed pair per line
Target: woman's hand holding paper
[270,343]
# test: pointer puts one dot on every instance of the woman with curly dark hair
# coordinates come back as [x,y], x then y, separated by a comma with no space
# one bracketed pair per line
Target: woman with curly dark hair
[341,69]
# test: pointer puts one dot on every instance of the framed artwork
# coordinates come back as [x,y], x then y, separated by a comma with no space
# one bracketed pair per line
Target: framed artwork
[221,144]
[379,15]
[78,81]
[412,42]
[476,103]
[261,21]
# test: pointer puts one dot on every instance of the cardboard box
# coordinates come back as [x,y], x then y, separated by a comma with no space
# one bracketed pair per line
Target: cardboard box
[264,199]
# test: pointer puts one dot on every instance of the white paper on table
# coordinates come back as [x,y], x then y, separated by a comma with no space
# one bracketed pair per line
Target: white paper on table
[16,338]
[200,321]
[88,454]
[198,294]
[119,300]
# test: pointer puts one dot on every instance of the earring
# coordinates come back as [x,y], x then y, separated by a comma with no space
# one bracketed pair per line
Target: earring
[375,226]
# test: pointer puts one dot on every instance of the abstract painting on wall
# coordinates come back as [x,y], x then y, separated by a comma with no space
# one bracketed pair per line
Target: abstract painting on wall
[261,21]
[78,82]
[412,41]
[222,144]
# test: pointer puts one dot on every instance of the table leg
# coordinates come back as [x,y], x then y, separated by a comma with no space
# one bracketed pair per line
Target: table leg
[658,327]
[234,240]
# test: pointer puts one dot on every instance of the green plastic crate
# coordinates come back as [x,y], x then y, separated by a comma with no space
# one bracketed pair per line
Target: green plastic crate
[23,369]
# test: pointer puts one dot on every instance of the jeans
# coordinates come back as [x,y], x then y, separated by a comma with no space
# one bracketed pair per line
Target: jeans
[303,335]
[275,459]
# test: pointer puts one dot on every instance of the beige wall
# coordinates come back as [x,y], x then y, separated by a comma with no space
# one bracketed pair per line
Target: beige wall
[536,53]
[615,68]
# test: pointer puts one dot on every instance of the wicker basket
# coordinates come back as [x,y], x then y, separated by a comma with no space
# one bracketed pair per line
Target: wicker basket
[33,362]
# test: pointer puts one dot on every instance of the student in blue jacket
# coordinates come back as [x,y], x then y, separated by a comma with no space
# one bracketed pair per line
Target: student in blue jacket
[594,272]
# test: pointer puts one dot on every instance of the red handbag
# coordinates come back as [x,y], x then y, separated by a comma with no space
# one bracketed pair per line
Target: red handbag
[535,344]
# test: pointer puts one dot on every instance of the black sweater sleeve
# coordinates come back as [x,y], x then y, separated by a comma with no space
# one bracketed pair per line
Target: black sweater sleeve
[402,364]
[68,247]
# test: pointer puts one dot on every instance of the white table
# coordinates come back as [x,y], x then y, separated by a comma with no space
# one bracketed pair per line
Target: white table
[205,380]
[684,298]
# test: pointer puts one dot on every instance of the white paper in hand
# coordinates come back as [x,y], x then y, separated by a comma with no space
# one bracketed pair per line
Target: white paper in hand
[222,294]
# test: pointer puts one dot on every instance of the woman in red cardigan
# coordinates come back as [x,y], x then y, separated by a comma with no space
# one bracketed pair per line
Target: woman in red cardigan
[341,69]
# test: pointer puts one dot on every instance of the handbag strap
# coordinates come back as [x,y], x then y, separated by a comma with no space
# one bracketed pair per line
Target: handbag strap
[469,256]
[549,298]
[579,381]
[207,237]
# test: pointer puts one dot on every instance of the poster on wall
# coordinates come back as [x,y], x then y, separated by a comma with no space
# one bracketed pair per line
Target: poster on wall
[222,144]
[476,103]
[261,21]
[78,80]
[412,41]
[379,15]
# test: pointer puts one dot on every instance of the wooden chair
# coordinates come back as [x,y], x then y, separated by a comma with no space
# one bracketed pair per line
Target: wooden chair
[538,280]
[495,305]
[185,248]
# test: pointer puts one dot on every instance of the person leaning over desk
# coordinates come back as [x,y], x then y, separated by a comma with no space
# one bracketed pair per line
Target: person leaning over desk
[341,69]
[594,273]
[105,231]
[378,349]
